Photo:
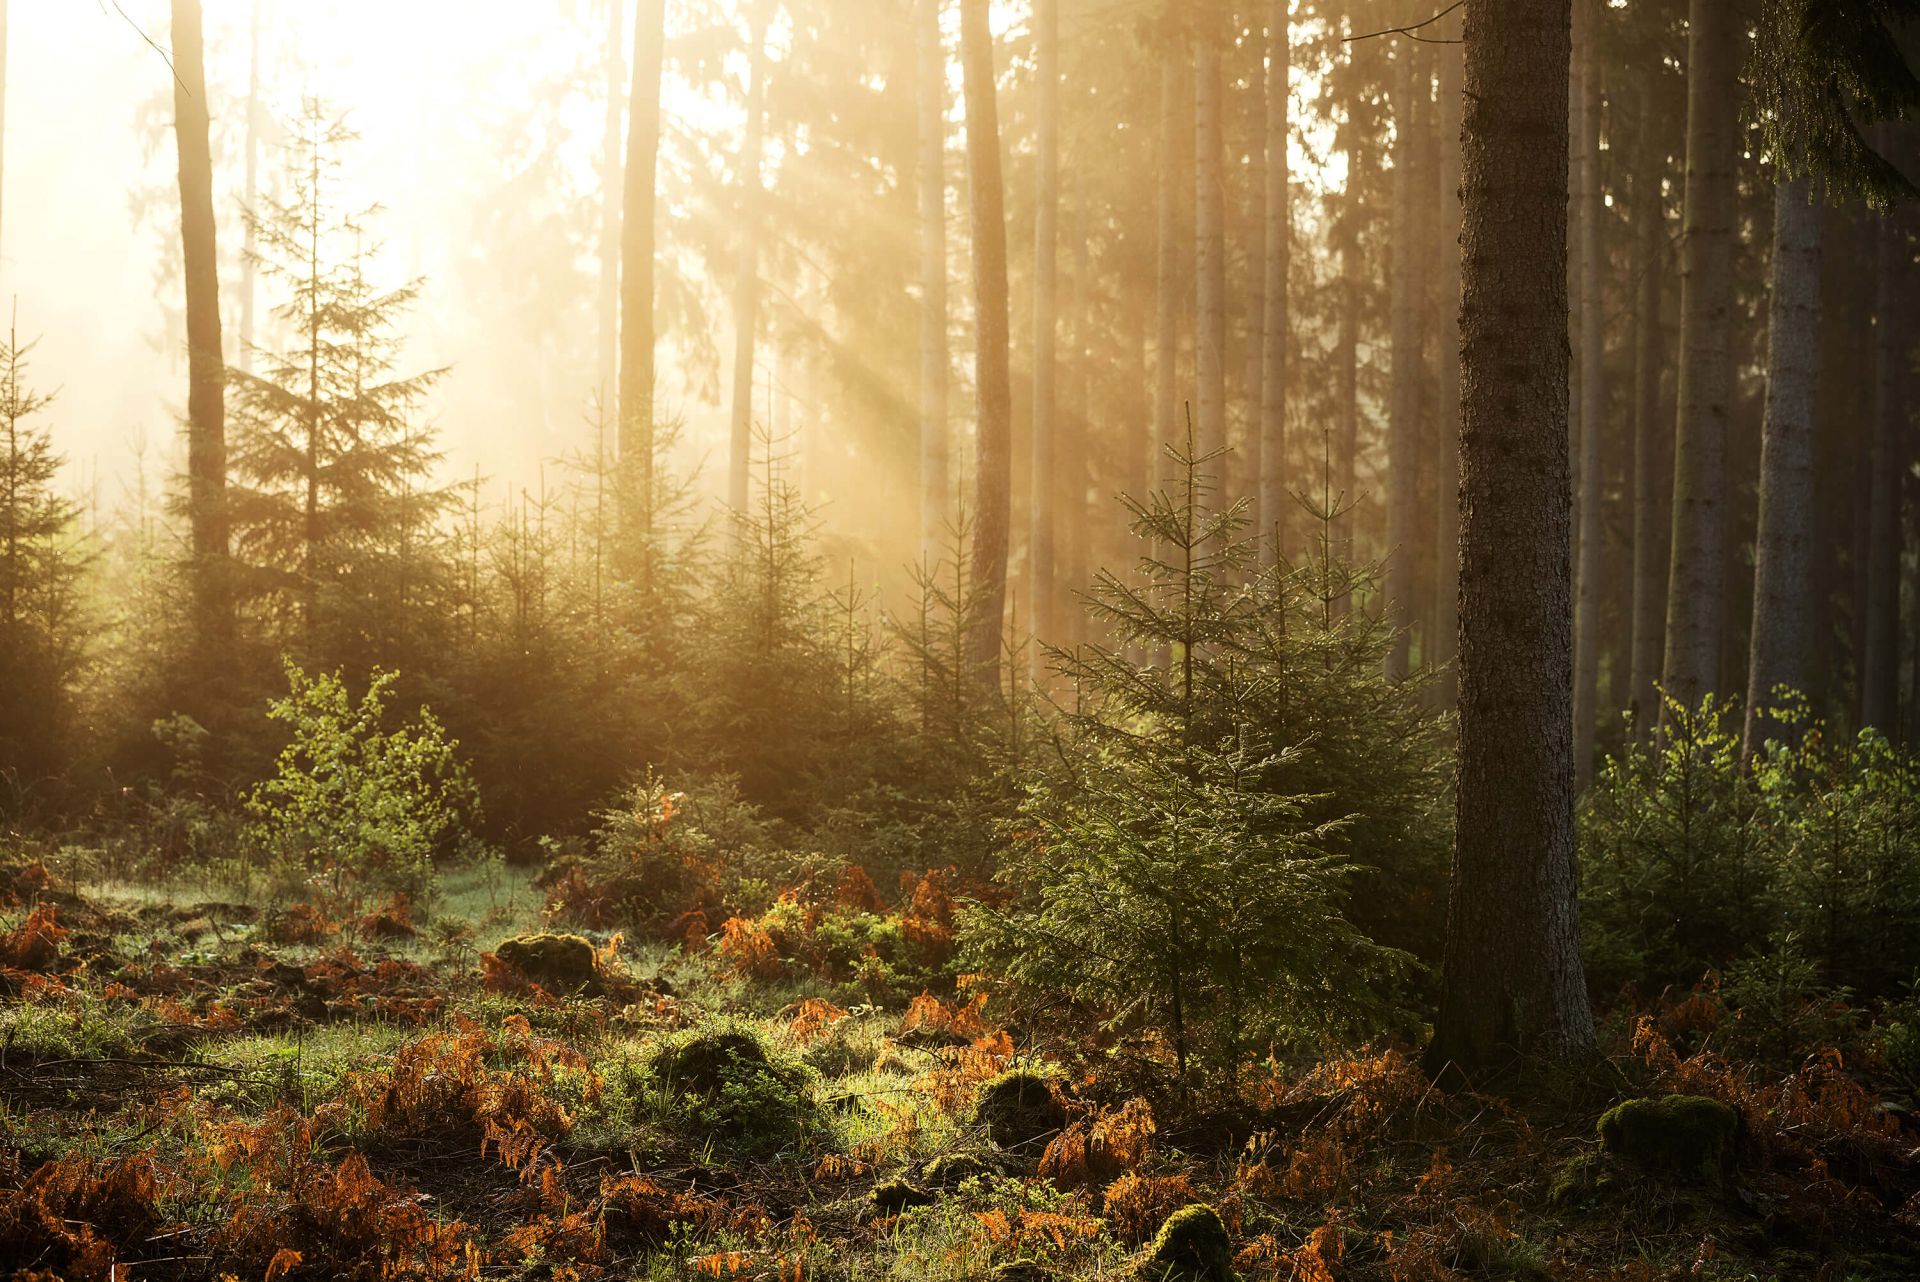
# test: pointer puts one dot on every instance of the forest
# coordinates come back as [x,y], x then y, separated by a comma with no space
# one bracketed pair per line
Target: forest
[836,640]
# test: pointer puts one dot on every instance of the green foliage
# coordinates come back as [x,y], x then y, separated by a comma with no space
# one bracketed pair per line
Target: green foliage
[1192,1246]
[1780,1009]
[359,807]
[1685,1135]
[726,1086]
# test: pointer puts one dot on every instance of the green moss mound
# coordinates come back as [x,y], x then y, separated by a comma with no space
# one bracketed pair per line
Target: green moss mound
[1192,1246]
[1688,1136]
[724,1083]
[558,963]
[891,1197]
[1019,1110]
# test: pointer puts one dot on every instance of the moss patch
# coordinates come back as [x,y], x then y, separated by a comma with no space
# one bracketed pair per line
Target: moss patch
[558,963]
[1019,1110]
[1192,1246]
[1687,1136]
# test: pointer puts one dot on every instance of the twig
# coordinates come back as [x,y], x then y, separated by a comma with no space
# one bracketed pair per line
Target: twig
[1411,31]
[149,39]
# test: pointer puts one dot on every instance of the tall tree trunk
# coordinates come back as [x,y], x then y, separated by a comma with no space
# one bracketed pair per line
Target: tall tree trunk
[1589,216]
[1652,469]
[206,370]
[1167,312]
[1252,278]
[3,122]
[1511,979]
[746,285]
[1446,623]
[1272,473]
[609,317]
[1880,671]
[638,201]
[1783,545]
[1346,461]
[251,198]
[1076,425]
[1403,404]
[1046,293]
[994,447]
[1696,587]
[1210,240]
[934,452]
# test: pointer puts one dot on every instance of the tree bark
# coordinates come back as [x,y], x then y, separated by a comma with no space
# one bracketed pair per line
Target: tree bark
[1447,412]
[1075,427]
[206,368]
[746,285]
[1590,215]
[1210,243]
[934,452]
[993,450]
[1167,311]
[1652,469]
[1403,405]
[1696,586]
[1271,484]
[1511,980]
[610,208]
[1046,293]
[251,198]
[1783,544]
[636,434]
[1880,671]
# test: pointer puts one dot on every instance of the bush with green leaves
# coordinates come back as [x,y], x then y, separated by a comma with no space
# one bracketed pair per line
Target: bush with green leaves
[354,806]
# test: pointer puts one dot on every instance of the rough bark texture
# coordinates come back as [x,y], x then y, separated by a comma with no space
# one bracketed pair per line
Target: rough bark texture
[934,452]
[1403,404]
[1512,981]
[616,68]
[1591,212]
[637,248]
[206,370]
[1880,669]
[1210,245]
[1652,469]
[1274,505]
[746,284]
[1446,623]
[1783,544]
[1696,585]
[1046,295]
[993,449]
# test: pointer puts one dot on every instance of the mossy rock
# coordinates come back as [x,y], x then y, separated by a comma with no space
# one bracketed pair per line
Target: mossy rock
[1687,1136]
[1024,1271]
[951,1170]
[1019,1110]
[1192,1246]
[558,963]
[891,1197]
[704,1063]
[726,1084]
[1582,1178]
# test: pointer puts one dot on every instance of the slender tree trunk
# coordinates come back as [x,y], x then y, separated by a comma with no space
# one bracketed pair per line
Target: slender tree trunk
[1880,673]
[1046,293]
[1696,588]
[1076,425]
[934,451]
[616,68]
[3,121]
[1403,404]
[1169,285]
[1210,242]
[1783,545]
[1346,468]
[746,286]
[1652,469]
[1590,215]
[641,183]
[1511,980]
[1247,457]
[251,199]
[1446,624]
[993,451]
[1272,473]
[206,370]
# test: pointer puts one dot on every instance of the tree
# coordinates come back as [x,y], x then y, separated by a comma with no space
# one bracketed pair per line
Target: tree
[1271,481]
[1168,283]
[746,285]
[636,430]
[3,113]
[1410,87]
[1511,979]
[1696,585]
[1783,544]
[1887,460]
[1210,233]
[993,448]
[1041,543]
[934,449]
[206,368]
[1446,544]
[1590,212]
[247,281]
[609,315]
[1652,469]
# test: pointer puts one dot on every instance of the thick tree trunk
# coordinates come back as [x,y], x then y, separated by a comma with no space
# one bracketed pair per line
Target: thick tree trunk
[746,285]
[637,258]
[1880,670]
[993,450]
[1783,545]
[206,370]
[1652,469]
[616,68]
[1210,244]
[1696,587]
[1447,411]
[1512,981]
[1046,293]
[1271,483]
[1403,405]
[1590,215]
[934,452]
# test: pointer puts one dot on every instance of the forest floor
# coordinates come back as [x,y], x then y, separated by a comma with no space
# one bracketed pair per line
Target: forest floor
[199,1087]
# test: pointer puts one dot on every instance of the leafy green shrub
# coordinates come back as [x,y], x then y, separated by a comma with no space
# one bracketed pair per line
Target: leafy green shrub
[1779,1007]
[355,806]
[724,1084]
